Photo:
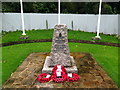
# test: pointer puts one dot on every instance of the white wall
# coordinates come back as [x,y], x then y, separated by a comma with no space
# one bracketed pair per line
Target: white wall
[85,22]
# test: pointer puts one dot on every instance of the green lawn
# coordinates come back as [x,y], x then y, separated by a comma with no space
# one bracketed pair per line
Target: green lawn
[47,34]
[0,63]
[106,56]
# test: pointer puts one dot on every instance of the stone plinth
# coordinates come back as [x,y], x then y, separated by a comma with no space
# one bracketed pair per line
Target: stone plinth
[60,53]
[47,69]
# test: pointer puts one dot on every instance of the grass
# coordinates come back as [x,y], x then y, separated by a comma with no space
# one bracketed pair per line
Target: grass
[106,56]
[48,34]
[34,34]
[0,67]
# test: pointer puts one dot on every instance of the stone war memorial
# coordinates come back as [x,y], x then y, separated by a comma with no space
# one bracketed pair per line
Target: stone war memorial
[36,65]
[60,53]
[60,68]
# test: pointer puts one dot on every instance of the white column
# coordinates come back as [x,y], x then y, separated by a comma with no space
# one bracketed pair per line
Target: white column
[58,11]
[22,18]
[99,19]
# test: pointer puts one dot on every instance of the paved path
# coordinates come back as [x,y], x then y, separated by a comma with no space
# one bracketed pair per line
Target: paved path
[92,75]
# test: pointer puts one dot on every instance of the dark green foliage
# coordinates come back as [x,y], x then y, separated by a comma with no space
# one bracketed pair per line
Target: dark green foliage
[30,7]
[107,9]
[45,7]
[66,7]
[115,7]
[11,7]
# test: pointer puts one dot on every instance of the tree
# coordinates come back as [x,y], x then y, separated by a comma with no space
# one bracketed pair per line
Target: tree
[66,7]
[10,7]
[115,7]
[92,7]
[27,7]
[118,8]
[69,7]
[45,7]
[107,9]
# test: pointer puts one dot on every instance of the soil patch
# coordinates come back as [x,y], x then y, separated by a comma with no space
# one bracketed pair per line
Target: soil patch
[50,40]
[92,75]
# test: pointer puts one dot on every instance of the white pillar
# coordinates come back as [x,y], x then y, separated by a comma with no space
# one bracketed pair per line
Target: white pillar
[22,18]
[58,11]
[99,19]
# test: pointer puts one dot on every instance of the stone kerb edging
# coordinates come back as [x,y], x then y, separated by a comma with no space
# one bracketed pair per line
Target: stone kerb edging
[69,40]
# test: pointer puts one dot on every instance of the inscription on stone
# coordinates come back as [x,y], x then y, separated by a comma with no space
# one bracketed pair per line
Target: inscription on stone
[59,47]
[60,41]
[60,52]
